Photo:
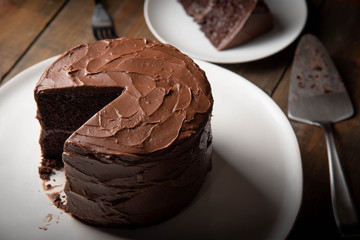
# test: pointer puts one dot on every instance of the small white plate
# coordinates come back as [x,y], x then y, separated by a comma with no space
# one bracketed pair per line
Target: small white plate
[169,23]
[253,191]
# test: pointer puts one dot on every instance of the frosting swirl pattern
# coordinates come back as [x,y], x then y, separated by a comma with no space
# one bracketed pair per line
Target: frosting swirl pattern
[164,93]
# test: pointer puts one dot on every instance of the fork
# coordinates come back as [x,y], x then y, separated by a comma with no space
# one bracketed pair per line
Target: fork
[102,25]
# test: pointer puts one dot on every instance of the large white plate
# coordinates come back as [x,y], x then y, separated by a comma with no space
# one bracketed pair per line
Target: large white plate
[253,191]
[169,23]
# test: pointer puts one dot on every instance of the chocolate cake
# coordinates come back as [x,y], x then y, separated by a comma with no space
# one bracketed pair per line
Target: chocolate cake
[230,23]
[138,112]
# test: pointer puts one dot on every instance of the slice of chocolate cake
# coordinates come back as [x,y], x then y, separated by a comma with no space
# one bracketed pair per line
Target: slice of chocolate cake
[230,23]
[65,102]
[145,154]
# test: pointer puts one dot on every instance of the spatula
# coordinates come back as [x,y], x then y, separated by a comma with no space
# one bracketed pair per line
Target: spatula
[318,96]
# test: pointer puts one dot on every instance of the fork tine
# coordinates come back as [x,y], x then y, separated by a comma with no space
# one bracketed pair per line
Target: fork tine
[105,33]
[96,34]
[109,32]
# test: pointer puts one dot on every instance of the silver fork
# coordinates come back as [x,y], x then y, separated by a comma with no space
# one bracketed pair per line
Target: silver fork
[102,25]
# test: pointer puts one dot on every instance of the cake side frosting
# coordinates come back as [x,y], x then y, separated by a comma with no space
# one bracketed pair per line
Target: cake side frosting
[142,190]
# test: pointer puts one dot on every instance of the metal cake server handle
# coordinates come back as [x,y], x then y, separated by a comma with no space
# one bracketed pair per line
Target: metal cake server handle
[343,206]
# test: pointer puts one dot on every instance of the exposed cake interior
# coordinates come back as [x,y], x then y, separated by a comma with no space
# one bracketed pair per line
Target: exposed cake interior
[65,102]
[61,112]
[230,23]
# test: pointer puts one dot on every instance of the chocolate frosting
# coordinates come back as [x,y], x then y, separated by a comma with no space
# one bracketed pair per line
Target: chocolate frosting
[118,191]
[144,156]
[165,95]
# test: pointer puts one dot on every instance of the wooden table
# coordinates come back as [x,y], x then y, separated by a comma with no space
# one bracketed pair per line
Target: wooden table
[31,31]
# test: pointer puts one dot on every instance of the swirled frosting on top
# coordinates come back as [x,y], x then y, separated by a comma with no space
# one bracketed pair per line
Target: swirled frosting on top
[165,98]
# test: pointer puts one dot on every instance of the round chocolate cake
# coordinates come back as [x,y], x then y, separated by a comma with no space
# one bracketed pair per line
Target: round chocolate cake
[138,112]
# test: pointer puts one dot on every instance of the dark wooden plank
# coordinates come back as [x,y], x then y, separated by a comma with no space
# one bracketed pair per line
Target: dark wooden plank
[265,73]
[342,39]
[68,29]
[20,24]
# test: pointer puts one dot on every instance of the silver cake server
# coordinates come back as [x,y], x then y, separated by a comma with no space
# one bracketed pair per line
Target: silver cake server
[318,96]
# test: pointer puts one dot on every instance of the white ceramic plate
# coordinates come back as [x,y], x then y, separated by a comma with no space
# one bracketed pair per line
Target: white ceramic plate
[169,23]
[253,191]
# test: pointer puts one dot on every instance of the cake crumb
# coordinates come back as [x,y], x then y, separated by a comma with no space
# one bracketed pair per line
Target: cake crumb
[43,228]
[47,219]
[57,200]
[48,166]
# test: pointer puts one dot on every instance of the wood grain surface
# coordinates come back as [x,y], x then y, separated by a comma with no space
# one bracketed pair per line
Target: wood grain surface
[21,22]
[32,31]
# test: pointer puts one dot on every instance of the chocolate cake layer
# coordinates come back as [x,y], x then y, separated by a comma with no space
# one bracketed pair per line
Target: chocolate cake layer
[230,23]
[143,156]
